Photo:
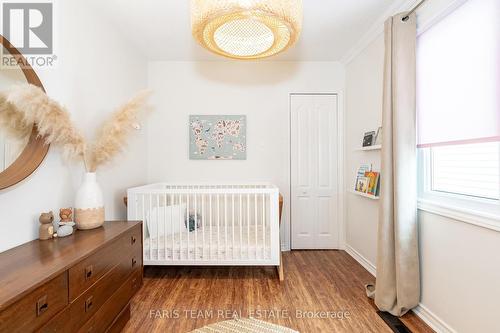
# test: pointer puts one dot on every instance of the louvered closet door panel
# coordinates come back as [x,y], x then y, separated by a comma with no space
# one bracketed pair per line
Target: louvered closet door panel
[314,130]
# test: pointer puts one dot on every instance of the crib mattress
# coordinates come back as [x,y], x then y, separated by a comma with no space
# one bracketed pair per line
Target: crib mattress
[219,244]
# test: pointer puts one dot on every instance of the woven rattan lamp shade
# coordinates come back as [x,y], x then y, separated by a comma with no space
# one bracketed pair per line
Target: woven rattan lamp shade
[246,29]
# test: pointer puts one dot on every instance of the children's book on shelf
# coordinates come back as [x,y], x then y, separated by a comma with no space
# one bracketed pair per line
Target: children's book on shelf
[373,182]
[362,184]
[363,168]
[367,180]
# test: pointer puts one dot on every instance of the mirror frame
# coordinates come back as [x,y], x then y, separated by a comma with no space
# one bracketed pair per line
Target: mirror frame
[36,149]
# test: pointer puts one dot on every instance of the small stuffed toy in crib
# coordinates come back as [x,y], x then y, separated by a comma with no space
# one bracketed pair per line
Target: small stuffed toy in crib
[192,222]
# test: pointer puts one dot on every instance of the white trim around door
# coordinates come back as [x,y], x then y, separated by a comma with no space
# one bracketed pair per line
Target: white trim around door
[328,210]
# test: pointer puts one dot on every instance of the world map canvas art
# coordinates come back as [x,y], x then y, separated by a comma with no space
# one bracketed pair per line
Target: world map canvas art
[214,137]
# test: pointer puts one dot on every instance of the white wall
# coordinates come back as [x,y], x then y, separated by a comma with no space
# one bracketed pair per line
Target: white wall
[259,90]
[97,70]
[459,266]
[363,114]
[460,273]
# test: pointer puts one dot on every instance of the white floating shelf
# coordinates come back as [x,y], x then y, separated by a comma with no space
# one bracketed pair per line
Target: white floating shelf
[370,196]
[376,147]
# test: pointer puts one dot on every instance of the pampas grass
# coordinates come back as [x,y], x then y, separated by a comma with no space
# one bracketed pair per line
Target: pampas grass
[26,105]
[53,121]
[12,122]
[111,137]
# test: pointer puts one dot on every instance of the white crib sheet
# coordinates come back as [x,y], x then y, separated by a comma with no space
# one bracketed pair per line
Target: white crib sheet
[245,244]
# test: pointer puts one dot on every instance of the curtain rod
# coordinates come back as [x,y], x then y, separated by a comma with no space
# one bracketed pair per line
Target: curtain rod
[405,18]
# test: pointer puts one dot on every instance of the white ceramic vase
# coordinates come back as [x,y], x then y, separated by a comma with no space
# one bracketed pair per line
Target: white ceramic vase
[89,204]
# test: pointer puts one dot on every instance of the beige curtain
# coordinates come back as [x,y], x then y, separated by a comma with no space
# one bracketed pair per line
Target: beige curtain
[398,277]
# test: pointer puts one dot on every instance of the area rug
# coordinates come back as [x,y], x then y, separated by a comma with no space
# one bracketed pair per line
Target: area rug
[243,325]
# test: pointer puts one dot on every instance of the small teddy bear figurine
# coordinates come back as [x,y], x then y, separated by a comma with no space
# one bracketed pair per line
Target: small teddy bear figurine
[66,225]
[66,214]
[46,230]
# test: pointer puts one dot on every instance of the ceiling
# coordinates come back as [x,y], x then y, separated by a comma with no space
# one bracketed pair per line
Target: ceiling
[161,30]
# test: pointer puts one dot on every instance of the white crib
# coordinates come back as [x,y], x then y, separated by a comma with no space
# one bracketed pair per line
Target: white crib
[208,224]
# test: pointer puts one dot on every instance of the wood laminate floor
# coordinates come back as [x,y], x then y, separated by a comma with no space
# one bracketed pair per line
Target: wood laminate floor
[328,284]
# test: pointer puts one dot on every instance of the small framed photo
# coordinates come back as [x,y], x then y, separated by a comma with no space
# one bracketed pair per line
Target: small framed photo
[362,184]
[369,139]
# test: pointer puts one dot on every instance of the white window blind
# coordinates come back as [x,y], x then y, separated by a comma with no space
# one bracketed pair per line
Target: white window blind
[458,77]
[472,169]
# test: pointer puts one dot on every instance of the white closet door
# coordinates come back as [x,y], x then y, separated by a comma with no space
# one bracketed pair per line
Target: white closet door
[314,171]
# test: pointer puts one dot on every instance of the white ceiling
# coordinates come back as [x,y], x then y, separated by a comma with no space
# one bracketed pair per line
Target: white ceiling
[161,28]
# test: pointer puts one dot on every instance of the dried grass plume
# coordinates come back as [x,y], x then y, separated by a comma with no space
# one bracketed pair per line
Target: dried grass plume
[111,137]
[25,105]
[12,122]
[53,121]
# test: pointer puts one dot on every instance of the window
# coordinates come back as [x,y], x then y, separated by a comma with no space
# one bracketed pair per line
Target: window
[470,170]
[458,110]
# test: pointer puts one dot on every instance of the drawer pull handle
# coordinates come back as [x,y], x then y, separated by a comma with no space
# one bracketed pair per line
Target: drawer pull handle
[133,240]
[88,303]
[89,271]
[41,305]
[134,262]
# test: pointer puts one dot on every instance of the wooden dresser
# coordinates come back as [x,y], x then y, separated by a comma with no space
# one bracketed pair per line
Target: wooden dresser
[81,283]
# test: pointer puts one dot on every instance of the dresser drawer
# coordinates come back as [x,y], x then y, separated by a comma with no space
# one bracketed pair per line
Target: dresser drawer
[135,237]
[36,308]
[61,323]
[86,305]
[120,321]
[137,280]
[104,318]
[83,275]
[136,256]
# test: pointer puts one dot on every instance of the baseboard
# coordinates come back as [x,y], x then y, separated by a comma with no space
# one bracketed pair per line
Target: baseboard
[427,316]
[432,320]
[360,259]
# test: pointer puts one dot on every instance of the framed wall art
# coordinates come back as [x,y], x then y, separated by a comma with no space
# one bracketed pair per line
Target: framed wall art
[217,137]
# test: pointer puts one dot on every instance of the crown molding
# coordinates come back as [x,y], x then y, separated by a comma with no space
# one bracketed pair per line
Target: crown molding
[376,29]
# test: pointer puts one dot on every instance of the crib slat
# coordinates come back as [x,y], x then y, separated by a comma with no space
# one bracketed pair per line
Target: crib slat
[195,225]
[151,222]
[210,215]
[164,226]
[256,223]
[171,228]
[225,225]
[187,225]
[263,226]
[180,226]
[241,227]
[248,226]
[218,226]
[158,227]
[232,221]
[203,225]
[144,218]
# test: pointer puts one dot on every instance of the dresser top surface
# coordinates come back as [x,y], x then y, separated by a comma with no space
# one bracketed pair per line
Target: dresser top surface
[26,267]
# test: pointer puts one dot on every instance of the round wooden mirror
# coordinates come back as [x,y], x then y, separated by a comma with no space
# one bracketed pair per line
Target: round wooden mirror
[19,157]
